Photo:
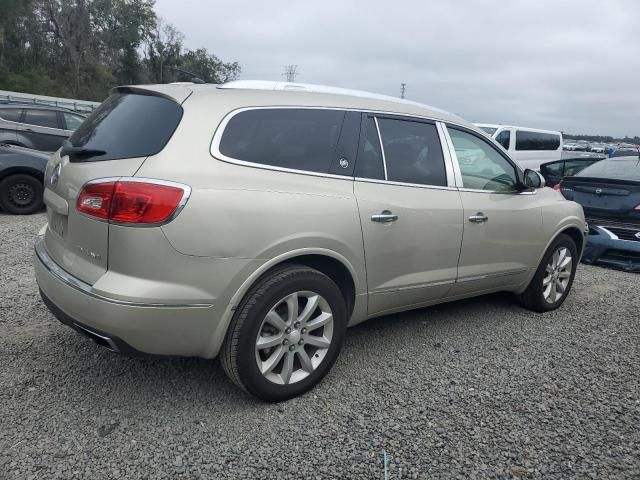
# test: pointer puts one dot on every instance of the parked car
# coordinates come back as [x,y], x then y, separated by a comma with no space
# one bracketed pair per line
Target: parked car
[609,192]
[257,220]
[36,126]
[21,175]
[554,172]
[625,152]
[529,147]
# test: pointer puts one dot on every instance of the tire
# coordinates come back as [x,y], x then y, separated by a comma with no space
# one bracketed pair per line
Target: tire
[534,298]
[21,194]
[291,286]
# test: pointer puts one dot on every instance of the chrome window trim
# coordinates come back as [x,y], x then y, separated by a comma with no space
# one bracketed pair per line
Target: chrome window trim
[186,194]
[446,152]
[457,174]
[384,158]
[402,184]
[74,282]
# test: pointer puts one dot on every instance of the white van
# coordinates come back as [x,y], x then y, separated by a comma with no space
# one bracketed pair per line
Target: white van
[530,147]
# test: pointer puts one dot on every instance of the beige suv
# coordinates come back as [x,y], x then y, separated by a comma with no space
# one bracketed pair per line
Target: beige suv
[256,221]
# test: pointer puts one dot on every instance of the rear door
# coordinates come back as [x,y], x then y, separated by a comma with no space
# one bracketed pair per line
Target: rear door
[42,129]
[127,127]
[502,226]
[411,217]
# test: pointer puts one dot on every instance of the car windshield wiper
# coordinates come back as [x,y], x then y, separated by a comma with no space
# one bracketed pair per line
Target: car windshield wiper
[69,149]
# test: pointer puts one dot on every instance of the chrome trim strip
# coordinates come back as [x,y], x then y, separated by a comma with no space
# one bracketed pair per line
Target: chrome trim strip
[413,287]
[492,275]
[612,235]
[186,194]
[514,192]
[402,184]
[87,289]
[448,159]
[384,158]
[454,157]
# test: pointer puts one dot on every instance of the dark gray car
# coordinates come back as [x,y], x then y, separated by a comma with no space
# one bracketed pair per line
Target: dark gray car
[37,126]
[21,176]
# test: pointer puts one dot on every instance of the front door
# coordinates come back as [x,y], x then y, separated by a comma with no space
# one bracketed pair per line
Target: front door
[411,219]
[502,224]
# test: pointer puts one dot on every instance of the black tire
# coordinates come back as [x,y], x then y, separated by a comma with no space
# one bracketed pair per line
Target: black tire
[21,194]
[533,297]
[238,354]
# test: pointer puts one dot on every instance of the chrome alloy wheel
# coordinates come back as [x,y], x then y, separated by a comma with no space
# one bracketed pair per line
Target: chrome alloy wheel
[557,275]
[294,337]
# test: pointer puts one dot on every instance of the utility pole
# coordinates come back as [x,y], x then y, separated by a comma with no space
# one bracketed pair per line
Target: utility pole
[403,87]
[290,72]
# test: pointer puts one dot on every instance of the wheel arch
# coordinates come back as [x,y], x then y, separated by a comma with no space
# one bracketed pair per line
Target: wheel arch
[329,262]
[33,172]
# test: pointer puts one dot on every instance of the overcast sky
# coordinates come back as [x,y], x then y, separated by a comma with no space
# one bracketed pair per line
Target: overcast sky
[571,65]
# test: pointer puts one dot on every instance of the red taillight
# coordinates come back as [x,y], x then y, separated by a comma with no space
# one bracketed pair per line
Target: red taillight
[130,202]
[556,187]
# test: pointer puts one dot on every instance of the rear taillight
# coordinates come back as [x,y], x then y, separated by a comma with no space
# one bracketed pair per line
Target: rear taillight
[556,187]
[132,201]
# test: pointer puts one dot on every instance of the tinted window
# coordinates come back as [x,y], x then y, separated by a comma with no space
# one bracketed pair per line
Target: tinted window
[301,139]
[481,165]
[412,152]
[555,169]
[572,167]
[128,125]
[369,164]
[11,114]
[73,121]
[41,118]
[504,139]
[619,169]
[489,130]
[536,141]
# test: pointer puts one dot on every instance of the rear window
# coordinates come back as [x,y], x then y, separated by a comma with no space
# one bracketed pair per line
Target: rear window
[11,114]
[300,139]
[128,125]
[627,169]
[536,141]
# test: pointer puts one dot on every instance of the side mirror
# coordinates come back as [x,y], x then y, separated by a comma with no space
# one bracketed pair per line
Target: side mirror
[533,179]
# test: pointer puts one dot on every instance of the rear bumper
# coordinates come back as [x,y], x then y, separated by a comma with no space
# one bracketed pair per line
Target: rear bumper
[605,248]
[149,327]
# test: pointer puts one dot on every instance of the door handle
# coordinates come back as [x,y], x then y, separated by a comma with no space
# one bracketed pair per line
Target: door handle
[384,217]
[478,218]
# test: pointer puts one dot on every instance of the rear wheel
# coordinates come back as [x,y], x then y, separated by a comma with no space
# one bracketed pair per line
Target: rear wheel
[553,280]
[21,194]
[286,334]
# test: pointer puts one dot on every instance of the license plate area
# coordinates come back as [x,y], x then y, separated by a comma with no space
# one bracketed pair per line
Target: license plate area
[58,224]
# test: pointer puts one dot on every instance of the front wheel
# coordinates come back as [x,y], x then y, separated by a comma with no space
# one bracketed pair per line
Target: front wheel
[553,280]
[286,334]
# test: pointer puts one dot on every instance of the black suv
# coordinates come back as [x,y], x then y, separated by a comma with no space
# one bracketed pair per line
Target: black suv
[37,126]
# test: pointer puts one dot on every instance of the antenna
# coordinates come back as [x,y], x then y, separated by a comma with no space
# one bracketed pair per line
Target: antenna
[194,77]
[290,72]
[403,87]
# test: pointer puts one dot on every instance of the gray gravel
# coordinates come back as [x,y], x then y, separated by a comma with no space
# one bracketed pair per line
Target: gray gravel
[477,389]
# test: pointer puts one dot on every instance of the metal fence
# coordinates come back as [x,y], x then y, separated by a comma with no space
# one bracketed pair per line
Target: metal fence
[27,98]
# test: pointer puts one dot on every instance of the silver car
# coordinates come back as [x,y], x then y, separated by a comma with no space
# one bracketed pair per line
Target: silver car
[256,221]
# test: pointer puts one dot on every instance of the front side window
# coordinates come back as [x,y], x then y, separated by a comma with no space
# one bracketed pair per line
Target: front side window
[41,118]
[300,139]
[412,152]
[536,141]
[72,121]
[504,139]
[481,165]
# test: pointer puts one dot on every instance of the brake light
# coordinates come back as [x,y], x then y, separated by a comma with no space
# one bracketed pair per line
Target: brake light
[131,201]
[556,187]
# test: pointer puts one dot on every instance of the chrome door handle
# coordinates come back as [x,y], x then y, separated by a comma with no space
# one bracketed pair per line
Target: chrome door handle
[384,217]
[478,218]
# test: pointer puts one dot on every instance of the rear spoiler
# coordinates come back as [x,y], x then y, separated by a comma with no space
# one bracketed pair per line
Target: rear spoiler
[175,93]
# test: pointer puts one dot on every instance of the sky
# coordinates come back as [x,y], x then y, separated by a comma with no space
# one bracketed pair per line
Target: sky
[570,65]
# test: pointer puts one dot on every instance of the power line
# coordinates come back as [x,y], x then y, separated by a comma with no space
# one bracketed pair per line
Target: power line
[290,72]
[403,87]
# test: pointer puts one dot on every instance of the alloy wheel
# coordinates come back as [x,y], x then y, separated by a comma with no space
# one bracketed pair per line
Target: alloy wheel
[557,275]
[294,337]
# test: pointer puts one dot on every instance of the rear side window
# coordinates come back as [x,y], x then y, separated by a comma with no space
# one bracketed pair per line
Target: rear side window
[412,152]
[299,139]
[72,121]
[11,114]
[536,141]
[41,118]
[128,125]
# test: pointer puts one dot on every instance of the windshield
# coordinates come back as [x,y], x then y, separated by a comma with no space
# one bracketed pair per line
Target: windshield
[618,169]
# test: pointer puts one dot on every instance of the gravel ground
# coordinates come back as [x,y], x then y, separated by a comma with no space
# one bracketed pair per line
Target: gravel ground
[477,389]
